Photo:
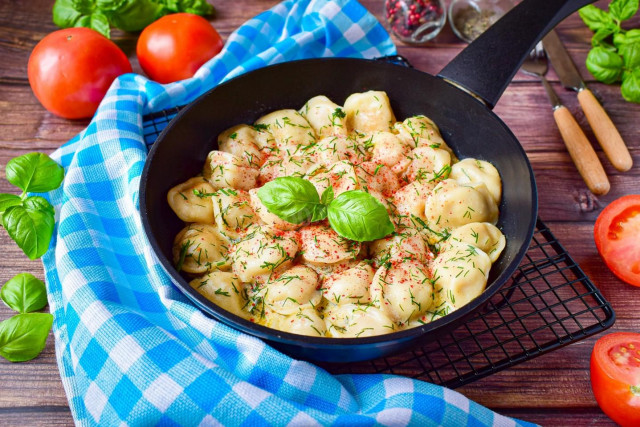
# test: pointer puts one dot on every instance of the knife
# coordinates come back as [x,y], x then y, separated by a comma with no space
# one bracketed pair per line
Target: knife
[602,126]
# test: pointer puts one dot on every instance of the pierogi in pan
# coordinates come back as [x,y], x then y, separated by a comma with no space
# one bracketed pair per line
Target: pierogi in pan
[307,278]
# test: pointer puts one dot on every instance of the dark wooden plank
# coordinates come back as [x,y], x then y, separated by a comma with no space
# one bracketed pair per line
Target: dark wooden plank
[32,391]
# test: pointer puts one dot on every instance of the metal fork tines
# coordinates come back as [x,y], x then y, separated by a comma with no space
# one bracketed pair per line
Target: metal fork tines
[579,147]
[537,65]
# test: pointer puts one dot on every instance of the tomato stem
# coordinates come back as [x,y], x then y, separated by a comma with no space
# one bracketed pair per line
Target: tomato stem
[635,390]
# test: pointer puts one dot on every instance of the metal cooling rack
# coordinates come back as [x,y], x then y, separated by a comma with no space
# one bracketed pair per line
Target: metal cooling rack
[548,303]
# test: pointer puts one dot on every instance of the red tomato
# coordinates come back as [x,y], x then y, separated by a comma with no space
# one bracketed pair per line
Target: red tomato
[70,70]
[615,377]
[617,236]
[175,46]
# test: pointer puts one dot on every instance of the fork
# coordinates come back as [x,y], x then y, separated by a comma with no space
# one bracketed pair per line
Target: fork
[578,146]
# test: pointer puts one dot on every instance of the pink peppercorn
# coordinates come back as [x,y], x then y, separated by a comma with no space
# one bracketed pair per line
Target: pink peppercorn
[415,21]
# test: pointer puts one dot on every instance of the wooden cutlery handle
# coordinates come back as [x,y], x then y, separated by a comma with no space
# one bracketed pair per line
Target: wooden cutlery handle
[581,152]
[605,131]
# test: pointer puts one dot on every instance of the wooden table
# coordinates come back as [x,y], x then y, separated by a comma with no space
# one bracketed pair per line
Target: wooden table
[553,389]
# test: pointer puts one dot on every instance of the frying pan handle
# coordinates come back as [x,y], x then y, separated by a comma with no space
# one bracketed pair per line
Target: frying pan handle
[485,68]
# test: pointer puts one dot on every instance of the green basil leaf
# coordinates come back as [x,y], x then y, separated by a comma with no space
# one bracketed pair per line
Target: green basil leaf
[66,13]
[357,215]
[327,196]
[34,172]
[630,55]
[630,88]
[595,18]
[292,199]
[100,23]
[602,34]
[8,200]
[131,15]
[23,336]
[623,9]
[199,7]
[30,225]
[605,65]
[24,293]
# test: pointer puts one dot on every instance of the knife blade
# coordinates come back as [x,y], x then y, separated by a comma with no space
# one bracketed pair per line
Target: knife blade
[562,62]
[602,126]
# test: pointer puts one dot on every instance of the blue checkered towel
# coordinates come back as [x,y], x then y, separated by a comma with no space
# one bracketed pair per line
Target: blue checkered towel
[132,350]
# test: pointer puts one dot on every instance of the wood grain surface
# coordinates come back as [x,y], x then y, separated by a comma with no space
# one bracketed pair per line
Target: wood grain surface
[553,389]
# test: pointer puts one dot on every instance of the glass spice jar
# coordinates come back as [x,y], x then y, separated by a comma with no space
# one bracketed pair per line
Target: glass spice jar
[415,21]
[470,18]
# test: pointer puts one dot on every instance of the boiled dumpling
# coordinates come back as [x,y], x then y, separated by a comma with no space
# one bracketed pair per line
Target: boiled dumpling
[461,272]
[262,252]
[200,248]
[468,171]
[369,111]
[191,200]
[325,117]
[223,289]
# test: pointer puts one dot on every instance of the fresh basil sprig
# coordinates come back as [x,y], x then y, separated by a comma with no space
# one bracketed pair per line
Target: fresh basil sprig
[354,215]
[615,55]
[29,220]
[23,336]
[127,15]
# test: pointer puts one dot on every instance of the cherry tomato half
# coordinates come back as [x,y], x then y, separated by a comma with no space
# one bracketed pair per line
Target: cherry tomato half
[617,236]
[70,71]
[175,46]
[615,376]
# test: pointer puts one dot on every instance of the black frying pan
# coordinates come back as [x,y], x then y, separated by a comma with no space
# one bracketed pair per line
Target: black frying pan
[466,121]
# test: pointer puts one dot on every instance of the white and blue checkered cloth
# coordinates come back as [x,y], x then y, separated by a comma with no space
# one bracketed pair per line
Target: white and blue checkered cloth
[132,350]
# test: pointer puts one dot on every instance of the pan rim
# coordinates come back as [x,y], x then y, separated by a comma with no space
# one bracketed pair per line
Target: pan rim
[218,313]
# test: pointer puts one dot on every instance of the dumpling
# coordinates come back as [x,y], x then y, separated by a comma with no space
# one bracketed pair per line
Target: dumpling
[428,164]
[262,252]
[322,245]
[469,171]
[288,290]
[409,202]
[350,286]
[191,200]
[291,131]
[481,235]
[377,177]
[276,167]
[357,320]
[402,290]
[269,219]
[369,111]
[200,248]
[461,272]
[305,321]
[226,170]
[340,175]
[241,141]
[223,289]
[420,131]
[451,205]
[406,244]
[232,212]
[325,117]
[390,151]
[336,148]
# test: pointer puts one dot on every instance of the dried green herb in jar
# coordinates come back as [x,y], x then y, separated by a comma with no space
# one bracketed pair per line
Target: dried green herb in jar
[471,22]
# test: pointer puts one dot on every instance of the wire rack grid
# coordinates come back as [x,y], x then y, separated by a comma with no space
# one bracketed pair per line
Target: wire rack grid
[548,303]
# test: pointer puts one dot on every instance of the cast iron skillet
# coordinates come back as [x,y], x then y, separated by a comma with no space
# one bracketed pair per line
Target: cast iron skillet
[466,121]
